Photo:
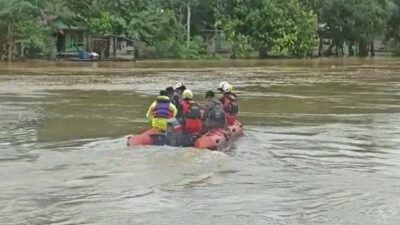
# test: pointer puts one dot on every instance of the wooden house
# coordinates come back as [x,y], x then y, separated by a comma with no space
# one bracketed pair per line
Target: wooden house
[113,47]
[70,39]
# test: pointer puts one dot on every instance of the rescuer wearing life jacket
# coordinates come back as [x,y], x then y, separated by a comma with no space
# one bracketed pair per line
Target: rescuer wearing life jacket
[178,91]
[160,111]
[230,103]
[172,96]
[180,88]
[190,113]
[221,86]
[214,115]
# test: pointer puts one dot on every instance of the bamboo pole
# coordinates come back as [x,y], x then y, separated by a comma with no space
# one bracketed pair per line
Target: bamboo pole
[188,24]
[9,41]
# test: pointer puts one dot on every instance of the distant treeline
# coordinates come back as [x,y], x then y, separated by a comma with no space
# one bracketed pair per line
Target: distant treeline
[173,28]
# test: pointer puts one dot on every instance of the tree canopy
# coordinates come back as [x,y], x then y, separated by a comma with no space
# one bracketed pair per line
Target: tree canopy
[174,28]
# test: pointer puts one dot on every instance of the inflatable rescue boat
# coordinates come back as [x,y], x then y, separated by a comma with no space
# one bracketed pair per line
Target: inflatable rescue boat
[215,139]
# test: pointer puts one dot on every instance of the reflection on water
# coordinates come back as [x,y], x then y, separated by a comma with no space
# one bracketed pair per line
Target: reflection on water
[321,145]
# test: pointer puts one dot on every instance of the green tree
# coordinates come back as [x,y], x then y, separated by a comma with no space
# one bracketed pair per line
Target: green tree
[144,21]
[352,22]
[101,25]
[26,25]
[282,27]
[20,23]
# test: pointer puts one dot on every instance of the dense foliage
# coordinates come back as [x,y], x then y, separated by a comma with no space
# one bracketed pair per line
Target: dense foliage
[175,28]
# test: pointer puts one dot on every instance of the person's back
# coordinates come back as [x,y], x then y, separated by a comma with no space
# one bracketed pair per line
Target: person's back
[214,115]
[230,103]
[190,113]
[160,111]
[171,94]
[178,100]
[176,97]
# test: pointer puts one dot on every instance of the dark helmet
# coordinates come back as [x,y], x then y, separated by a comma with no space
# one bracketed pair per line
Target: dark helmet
[210,94]
[163,93]
[169,90]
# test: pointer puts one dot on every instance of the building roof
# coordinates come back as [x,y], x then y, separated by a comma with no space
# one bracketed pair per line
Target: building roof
[61,25]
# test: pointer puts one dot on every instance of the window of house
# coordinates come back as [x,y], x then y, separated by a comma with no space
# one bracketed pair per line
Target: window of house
[77,40]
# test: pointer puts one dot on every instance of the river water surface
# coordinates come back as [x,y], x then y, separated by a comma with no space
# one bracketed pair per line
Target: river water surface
[321,145]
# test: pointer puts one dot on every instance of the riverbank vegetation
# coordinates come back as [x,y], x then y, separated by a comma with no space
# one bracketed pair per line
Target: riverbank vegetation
[192,29]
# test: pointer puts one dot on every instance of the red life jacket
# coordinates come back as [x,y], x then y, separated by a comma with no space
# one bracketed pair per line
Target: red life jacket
[192,116]
[184,106]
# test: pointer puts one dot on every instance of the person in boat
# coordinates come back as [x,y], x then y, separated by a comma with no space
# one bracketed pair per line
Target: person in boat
[179,89]
[230,103]
[172,96]
[214,115]
[190,119]
[221,86]
[191,114]
[160,111]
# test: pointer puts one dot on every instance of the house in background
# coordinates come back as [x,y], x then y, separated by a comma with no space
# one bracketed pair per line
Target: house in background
[216,42]
[113,47]
[70,39]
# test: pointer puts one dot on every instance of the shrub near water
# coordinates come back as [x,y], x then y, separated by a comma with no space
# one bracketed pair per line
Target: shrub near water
[195,50]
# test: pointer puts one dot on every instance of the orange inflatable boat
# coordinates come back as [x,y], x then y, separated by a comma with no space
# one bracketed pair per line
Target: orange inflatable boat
[215,139]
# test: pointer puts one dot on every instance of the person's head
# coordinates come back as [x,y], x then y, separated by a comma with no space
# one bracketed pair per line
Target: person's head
[163,93]
[169,90]
[180,87]
[228,88]
[221,86]
[210,95]
[187,94]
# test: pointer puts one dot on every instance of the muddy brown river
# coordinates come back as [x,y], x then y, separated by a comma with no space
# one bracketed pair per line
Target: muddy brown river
[321,145]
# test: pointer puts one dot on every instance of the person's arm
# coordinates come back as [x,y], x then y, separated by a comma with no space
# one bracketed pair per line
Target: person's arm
[222,100]
[173,109]
[149,114]
[176,99]
[179,109]
[205,113]
[209,106]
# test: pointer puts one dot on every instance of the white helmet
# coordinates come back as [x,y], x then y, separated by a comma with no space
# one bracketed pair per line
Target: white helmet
[228,88]
[187,94]
[221,85]
[178,85]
